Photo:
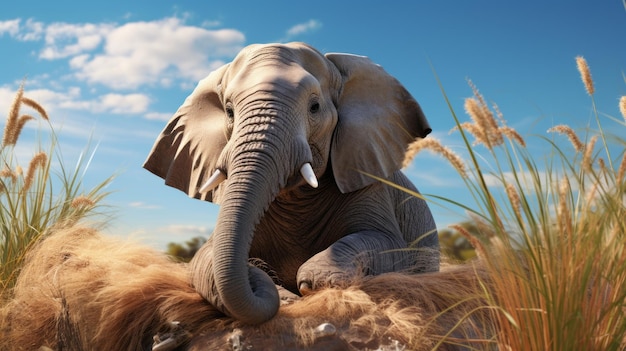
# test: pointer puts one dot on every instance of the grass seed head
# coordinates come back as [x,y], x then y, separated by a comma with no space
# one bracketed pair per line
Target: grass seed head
[473,109]
[514,199]
[602,165]
[8,173]
[571,135]
[82,202]
[587,159]
[18,127]
[10,129]
[35,106]
[435,146]
[621,171]
[563,211]
[474,130]
[622,106]
[38,161]
[485,118]
[15,122]
[585,74]
[478,246]
[512,134]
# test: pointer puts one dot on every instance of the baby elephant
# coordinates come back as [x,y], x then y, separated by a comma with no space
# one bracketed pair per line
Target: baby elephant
[286,140]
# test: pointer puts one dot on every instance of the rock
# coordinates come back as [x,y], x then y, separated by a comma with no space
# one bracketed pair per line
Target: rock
[325,329]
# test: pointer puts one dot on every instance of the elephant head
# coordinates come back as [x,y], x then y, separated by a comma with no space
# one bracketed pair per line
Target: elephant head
[275,118]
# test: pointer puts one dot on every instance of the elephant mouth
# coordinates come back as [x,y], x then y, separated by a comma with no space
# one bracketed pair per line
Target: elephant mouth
[317,155]
[300,179]
[293,182]
[304,176]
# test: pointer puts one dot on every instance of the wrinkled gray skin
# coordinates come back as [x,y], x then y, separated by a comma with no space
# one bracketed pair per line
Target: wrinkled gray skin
[261,117]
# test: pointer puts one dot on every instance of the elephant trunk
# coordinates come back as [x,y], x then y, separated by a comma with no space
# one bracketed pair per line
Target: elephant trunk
[224,276]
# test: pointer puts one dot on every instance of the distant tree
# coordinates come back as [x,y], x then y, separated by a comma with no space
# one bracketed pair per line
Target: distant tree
[455,246]
[185,252]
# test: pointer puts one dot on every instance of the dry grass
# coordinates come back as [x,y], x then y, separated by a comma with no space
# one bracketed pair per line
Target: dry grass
[108,292]
[435,146]
[571,134]
[556,255]
[91,292]
[622,106]
[28,205]
[585,74]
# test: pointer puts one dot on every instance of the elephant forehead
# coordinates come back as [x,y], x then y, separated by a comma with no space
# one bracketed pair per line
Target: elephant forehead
[270,77]
[285,53]
[278,58]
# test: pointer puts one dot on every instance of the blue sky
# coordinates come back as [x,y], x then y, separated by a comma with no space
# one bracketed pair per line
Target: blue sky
[113,72]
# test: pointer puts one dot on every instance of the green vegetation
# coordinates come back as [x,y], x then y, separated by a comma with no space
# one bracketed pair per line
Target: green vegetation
[38,198]
[185,252]
[454,244]
[551,231]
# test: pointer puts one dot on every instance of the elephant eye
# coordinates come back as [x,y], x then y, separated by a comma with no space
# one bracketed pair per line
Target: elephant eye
[315,107]
[230,113]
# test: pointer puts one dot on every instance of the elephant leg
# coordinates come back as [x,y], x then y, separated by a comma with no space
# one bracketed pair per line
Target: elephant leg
[355,255]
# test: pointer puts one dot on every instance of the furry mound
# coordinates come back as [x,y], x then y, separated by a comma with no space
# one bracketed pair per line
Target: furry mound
[83,291]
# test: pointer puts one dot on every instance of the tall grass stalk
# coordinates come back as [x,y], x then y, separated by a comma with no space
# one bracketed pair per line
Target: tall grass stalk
[36,198]
[555,229]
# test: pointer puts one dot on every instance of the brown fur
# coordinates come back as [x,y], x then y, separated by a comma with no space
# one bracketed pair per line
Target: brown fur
[83,291]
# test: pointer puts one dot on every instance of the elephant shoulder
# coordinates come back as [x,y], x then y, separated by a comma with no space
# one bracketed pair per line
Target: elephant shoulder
[412,212]
[400,179]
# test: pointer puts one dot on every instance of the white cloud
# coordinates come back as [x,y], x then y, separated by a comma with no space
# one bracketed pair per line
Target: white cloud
[33,30]
[527,180]
[160,52]
[11,27]
[302,28]
[157,52]
[72,99]
[158,116]
[123,104]
[79,60]
[186,229]
[165,52]
[143,205]
[30,31]
[209,24]
[129,104]
[66,39]
[49,99]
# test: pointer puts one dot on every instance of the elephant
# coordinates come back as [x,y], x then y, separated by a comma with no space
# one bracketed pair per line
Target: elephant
[292,144]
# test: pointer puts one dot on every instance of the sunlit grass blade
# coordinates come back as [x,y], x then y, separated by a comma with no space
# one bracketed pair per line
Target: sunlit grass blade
[39,198]
[555,253]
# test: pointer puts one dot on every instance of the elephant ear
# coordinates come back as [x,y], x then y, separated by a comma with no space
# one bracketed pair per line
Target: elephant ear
[377,119]
[186,152]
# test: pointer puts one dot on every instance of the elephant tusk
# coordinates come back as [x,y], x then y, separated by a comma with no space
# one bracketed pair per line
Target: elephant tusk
[213,181]
[309,175]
